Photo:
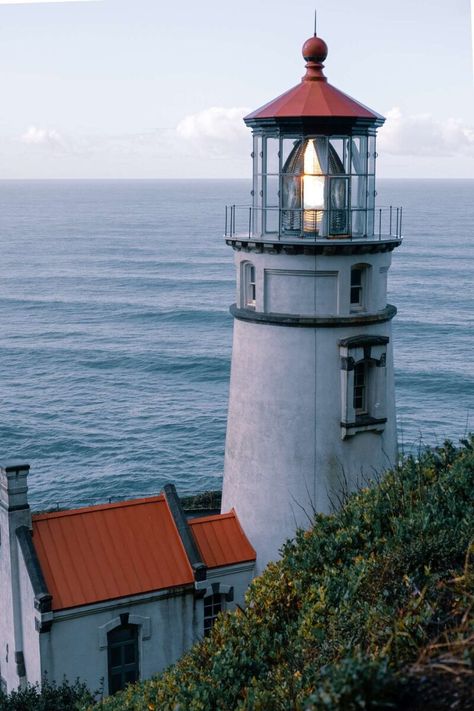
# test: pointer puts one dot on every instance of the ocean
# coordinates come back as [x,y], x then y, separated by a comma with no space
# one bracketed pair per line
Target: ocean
[115,334]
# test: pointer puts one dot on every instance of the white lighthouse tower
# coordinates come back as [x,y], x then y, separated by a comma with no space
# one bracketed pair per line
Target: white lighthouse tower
[312,406]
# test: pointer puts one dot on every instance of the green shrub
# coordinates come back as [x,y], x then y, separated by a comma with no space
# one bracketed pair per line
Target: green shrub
[50,697]
[339,622]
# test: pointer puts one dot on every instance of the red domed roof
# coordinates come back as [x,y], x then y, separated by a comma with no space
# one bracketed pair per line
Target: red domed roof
[314,97]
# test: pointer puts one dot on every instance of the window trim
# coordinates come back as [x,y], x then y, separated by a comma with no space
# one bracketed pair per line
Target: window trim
[371,351]
[249,286]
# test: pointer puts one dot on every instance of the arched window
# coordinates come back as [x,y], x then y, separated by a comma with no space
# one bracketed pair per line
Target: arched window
[122,645]
[249,289]
[359,286]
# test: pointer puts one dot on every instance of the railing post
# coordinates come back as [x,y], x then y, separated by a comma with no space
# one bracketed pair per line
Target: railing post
[401,213]
[398,210]
[390,220]
[380,223]
[225,231]
[250,221]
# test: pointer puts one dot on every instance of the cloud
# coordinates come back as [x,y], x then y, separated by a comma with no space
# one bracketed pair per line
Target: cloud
[216,130]
[35,136]
[424,135]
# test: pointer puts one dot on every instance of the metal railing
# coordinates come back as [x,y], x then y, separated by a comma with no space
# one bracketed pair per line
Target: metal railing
[282,224]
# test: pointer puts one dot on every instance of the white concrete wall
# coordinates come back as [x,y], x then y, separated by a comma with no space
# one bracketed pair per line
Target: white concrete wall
[12,493]
[7,636]
[285,455]
[311,285]
[30,636]
[72,648]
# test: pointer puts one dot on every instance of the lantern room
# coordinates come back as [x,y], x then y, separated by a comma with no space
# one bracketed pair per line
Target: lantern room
[314,156]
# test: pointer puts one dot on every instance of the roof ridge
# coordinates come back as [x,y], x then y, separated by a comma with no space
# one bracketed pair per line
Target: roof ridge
[211,517]
[98,507]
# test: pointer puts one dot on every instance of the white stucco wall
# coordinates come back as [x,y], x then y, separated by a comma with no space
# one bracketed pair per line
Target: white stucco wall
[11,636]
[285,452]
[74,647]
[30,636]
[311,284]
[7,641]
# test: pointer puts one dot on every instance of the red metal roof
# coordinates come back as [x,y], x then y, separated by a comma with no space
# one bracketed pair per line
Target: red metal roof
[314,97]
[221,540]
[105,552]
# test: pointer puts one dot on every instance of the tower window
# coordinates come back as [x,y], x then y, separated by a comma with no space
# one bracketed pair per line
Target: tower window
[360,388]
[249,286]
[122,657]
[359,287]
[213,604]
[363,384]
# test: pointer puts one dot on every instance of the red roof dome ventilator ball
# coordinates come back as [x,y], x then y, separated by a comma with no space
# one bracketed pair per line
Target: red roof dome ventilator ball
[315,51]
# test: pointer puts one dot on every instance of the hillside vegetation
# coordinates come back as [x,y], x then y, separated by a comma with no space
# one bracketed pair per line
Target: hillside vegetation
[370,609]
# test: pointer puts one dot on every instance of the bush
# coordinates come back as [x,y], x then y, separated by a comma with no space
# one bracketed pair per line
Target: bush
[50,697]
[340,621]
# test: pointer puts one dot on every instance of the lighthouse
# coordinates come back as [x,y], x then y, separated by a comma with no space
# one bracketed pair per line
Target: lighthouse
[312,402]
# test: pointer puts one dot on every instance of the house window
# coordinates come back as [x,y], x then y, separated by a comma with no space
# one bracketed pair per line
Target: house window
[249,286]
[359,287]
[123,657]
[213,604]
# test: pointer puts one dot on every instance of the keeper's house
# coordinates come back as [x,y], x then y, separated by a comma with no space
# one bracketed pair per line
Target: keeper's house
[110,593]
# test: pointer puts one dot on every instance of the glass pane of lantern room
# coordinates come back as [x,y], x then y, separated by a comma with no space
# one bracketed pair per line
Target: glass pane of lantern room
[358,191]
[272,156]
[257,203]
[272,220]
[291,214]
[271,203]
[358,223]
[338,206]
[370,223]
[371,192]
[257,154]
[316,156]
[272,190]
[372,155]
[287,147]
[339,155]
[359,155]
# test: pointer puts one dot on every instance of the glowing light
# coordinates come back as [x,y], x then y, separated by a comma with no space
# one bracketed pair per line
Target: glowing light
[313,189]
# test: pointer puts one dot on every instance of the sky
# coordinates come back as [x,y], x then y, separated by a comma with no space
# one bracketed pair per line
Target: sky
[150,89]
